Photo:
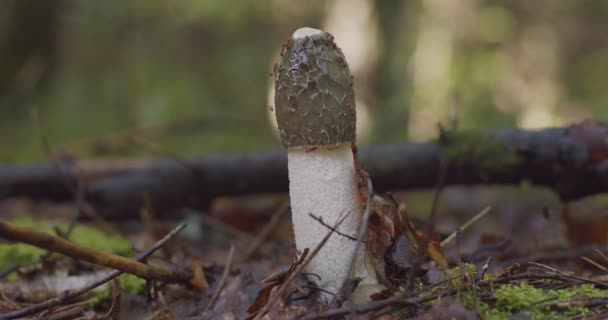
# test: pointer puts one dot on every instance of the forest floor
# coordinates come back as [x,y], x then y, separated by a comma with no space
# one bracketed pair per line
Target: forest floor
[530,257]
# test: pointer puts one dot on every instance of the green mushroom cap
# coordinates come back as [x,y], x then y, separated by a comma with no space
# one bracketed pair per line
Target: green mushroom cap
[314,96]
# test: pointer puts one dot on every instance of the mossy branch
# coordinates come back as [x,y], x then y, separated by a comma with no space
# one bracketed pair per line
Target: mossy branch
[69,295]
[58,245]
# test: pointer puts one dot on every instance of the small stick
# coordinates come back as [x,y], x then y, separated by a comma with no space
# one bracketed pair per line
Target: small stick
[400,300]
[68,307]
[11,304]
[602,255]
[69,295]
[222,283]
[595,264]
[465,226]
[297,271]
[328,226]
[70,249]
[259,239]
[426,237]
[550,270]
[485,267]
[114,312]
[361,234]
[71,313]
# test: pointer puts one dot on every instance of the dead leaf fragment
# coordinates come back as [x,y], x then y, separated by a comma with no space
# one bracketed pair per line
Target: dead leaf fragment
[593,136]
[393,242]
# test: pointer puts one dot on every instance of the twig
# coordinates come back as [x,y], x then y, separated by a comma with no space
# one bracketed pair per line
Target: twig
[72,313]
[265,232]
[595,264]
[325,224]
[223,279]
[602,255]
[70,249]
[553,255]
[75,186]
[400,300]
[361,233]
[44,142]
[114,312]
[589,303]
[426,237]
[485,267]
[297,271]
[69,295]
[79,195]
[600,284]
[11,304]
[465,226]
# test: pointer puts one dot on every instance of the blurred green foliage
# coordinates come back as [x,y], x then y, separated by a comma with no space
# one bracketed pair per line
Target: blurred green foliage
[119,78]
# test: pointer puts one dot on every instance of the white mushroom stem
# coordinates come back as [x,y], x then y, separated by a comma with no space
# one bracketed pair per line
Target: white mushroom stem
[322,182]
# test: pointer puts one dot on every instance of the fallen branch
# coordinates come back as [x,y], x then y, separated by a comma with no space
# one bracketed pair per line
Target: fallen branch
[55,244]
[69,295]
[222,283]
[569,160]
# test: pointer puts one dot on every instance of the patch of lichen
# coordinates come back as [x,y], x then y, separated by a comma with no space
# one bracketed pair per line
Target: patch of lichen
[84,235]
[511,299]
[480,150]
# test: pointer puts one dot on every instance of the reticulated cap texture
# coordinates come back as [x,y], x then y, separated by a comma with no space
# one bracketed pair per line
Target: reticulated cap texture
[314,95]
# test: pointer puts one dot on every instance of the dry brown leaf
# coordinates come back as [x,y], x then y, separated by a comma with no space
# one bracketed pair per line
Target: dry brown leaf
[271,282]
[433,248]
[392,242]
[198,280]
[593,136]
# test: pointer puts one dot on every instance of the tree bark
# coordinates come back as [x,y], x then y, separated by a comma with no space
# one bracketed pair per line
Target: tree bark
[572,161]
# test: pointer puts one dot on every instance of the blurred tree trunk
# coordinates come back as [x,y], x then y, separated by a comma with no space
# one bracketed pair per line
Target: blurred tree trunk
[27,49]
[389,83]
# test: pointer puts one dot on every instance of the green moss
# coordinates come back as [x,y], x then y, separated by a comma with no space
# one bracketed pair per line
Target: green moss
[129,284]
[511,299]
[468,270]
[470,148]
[519,297]
[84,235]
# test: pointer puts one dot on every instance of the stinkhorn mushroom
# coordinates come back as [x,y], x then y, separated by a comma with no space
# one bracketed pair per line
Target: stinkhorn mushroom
[315,111]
